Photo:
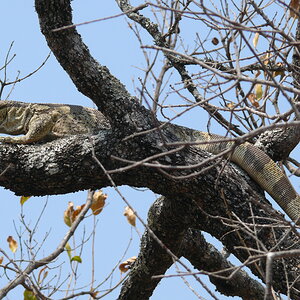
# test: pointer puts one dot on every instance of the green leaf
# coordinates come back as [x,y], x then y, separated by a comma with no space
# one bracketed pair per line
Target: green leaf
[258,91]
[76,258]
[69,251]
[28,295]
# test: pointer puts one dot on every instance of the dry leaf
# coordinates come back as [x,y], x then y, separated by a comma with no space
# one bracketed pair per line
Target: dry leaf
[23,199]
[76,212]
[215,41]
[98,202]
[295,5]
[230,105]
[252,98]
[129,214]
[1,260]
[266,58]
[281,73]
[13,245]
[94,294]
[258,91]
[42,274]
[70,214]
[255,39]
[125,265]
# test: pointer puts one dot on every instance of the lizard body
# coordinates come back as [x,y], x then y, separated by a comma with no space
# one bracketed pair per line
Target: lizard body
[43,122]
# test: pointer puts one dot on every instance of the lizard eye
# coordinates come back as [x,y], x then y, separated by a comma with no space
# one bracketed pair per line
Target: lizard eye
[55,115]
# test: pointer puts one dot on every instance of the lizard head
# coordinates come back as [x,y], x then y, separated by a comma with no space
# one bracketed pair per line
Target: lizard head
[6,103]
[55,115]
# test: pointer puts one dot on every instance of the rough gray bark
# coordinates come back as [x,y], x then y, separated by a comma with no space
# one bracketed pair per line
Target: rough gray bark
[204,256]
[209,202]
[279,143]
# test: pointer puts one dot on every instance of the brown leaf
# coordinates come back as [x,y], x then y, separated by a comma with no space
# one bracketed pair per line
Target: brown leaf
[276,73]
[13,245]
[230,105]
[125,265]
[70,214]
[1,260]
[252,98]
[266,58]
[43,273]
[98,202]
[129,214]
[295,5]
[94,294]
[77,211]
[215,41]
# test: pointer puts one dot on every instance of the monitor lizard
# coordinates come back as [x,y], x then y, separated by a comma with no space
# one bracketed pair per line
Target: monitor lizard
[44,122]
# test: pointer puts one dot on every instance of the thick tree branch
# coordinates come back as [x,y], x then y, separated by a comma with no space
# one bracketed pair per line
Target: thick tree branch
[154,260]
[90,78]
[67,165]
[228,280]
[278,143]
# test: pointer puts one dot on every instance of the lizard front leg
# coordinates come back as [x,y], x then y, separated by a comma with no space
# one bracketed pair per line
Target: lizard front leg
[38,128]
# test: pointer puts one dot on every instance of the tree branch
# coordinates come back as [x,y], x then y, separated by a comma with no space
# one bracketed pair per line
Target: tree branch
[33,265]
[228,279]
[90,78]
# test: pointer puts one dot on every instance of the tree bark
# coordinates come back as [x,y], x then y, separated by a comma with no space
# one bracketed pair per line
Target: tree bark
[222,201]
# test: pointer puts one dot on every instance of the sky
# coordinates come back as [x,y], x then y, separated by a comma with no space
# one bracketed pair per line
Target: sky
[112,44]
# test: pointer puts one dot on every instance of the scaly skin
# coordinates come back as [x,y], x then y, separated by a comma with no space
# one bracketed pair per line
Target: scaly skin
[44,122]
[260,167]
